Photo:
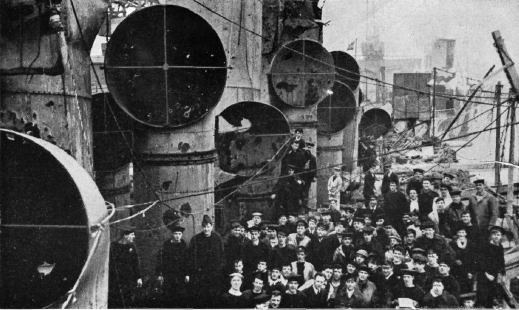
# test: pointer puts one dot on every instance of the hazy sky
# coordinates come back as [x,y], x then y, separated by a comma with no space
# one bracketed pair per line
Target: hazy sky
[407,27]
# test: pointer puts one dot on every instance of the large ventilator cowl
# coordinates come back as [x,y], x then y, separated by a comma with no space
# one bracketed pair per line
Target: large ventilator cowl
[302,73]
[347,69]
[165,66]
[50,211]
[337,110]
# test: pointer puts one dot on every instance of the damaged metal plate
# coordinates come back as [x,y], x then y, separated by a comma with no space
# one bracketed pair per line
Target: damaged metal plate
[302,73]
[250,134]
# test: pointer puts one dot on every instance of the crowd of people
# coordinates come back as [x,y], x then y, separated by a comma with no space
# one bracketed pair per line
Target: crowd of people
[418,246]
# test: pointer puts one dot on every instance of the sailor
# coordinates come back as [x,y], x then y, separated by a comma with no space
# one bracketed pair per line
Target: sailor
[369,184]
[426,199]
[490,266]
[294,156]
[389,176]
[253,251]
[408,288]
[469,300]
[416,181]
[294,298]
[448,178]
[483,209]
[207,261]
[124,269]
[288,192]
[173,268]
[335,185]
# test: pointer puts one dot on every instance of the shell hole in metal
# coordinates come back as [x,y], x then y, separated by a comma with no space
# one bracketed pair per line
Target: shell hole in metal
[165,66]
[337,110]
[44,227]
[302,73]
[249,135]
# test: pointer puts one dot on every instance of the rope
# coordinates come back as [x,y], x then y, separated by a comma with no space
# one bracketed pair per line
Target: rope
[71,294]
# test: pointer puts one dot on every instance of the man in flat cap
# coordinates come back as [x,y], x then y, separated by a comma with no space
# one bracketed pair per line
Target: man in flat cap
[299,238]
[367,289]
[173,269]
[207,260]
[346,251]
[456,209]
[448,178]
[369,243]
[416,181]
[301,266]
[349,297]
[124,269]
[431,240]
[484,209]
[389,176]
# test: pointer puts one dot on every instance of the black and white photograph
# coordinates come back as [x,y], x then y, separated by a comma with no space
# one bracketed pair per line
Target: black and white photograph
[259,154]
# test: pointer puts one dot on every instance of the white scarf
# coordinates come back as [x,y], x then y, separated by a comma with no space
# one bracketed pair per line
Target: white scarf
[234,292]
[461,245]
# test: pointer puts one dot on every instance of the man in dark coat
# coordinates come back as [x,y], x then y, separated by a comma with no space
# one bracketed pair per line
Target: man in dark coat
[369,184]
[455,211]
[282,254]
[288,193]
[438,297]
[386,285]
[408,289]
[253,251]
[316,248]
[431,240]
[310,170]
[233,244]
[426,200]
[490,265]
[298,137]
[349,297]
[294,298]
[395,205]
[124,270]
[294,156]
[173,269]
[389,176]
[207,260]
[416,181]
[316,293]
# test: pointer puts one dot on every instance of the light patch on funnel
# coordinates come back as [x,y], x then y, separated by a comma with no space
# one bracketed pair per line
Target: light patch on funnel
[225,127]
